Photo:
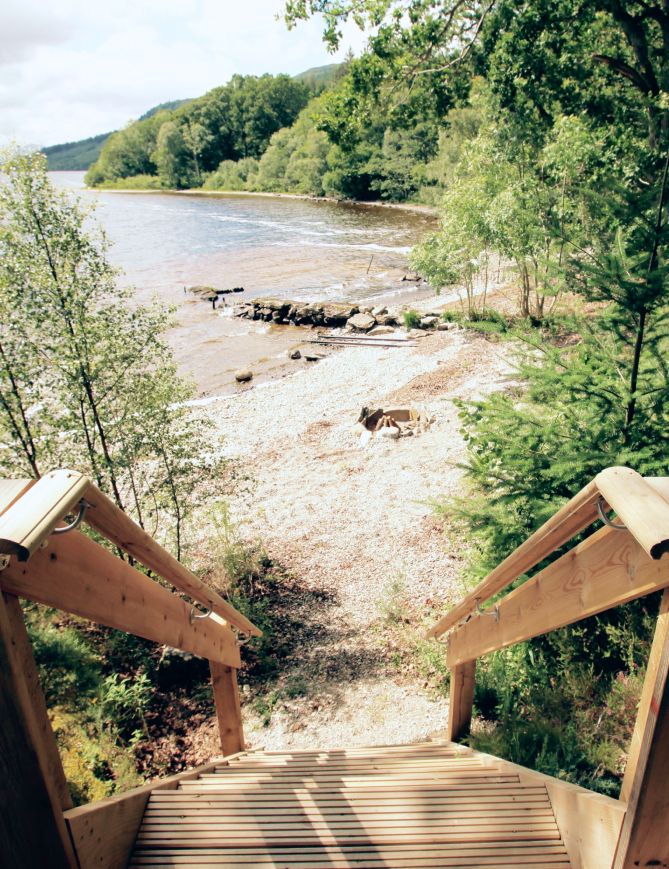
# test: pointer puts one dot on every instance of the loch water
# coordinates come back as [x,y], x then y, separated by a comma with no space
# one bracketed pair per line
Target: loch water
[274,247]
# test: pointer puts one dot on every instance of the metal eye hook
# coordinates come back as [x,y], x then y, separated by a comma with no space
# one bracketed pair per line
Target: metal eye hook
[83,506]
[194,614]
[447,643]
[479,611]
[605,519]
[241,642]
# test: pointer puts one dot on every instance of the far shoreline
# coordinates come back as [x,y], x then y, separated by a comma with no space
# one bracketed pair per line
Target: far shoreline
[402,206]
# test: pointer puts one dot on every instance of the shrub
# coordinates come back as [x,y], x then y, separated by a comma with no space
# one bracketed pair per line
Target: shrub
[411,319]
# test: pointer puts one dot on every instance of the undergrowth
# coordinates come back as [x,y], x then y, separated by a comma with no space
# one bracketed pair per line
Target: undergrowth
[124,709]
[563,703]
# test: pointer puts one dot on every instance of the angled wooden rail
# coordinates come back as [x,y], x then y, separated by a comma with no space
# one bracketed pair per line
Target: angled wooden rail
[619,563]
[635,499]
[32,519]
[71,572]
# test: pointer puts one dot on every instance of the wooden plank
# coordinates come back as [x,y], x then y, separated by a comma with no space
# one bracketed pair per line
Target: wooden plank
[437,803]
[228,708]
[370,787]
[647,706]
[643,838]
[370,863]
[434,857]
[32,518]
[397,812]
[348,781]
[75,574]
[463,678]
[459,836]
[103,832]
[640,507]
[11,491]
[118,527]
[397,762]
[363,766]
[436,795]
[606,570]
[362,852]
[589,823]
[372,859]
[468,773]
[432,745]
[41,731]
[32,829]
[576,515]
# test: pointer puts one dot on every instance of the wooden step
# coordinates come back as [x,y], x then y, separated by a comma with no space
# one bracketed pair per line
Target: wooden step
[402,806]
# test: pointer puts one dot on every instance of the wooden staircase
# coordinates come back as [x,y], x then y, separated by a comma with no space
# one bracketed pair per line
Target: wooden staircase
[426,805]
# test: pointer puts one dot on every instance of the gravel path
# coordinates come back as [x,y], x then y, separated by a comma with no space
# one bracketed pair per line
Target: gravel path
[349,519]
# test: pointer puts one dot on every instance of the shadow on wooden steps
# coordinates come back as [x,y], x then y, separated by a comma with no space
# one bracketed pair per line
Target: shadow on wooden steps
[428,805]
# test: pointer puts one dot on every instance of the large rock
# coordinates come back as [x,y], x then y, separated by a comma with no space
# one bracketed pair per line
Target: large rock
[295,354]
[382,330]
[312,356]
[362,322]
[276,304]
[243,374]
[335,315]
[429,322]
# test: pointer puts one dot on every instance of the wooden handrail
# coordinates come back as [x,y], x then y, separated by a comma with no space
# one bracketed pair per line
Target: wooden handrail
[640,507]
[33,517]
[121,530]
[572,518]
[77,575]
[606,570]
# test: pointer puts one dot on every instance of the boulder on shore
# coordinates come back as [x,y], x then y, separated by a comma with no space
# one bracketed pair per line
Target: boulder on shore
[243,374]
[382,330]
[361,322]
[429,322]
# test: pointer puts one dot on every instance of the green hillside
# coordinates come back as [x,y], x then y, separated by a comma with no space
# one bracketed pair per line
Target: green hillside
[170,106]
[81,155]
[318,77]
[75,155]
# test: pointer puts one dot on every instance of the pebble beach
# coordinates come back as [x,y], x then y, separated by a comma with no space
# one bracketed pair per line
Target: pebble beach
[352,518]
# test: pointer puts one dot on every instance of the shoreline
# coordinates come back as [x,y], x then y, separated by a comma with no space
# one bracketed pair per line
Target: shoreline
[402,206]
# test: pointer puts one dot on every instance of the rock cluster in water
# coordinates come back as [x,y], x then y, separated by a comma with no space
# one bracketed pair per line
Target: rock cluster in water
[283,311]
[210,294]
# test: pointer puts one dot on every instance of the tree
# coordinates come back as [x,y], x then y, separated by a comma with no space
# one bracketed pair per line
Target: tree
[195,138]
[169,154]
[86,377]
[231,122]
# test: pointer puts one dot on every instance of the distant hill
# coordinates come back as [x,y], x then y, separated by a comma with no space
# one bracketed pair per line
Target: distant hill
[165,107]
[74,155]
[81,155]
[318,77]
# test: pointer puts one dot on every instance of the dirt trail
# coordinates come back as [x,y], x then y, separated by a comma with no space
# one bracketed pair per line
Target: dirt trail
[349,521]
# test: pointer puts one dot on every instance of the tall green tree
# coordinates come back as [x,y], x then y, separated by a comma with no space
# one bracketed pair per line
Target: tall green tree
[87,379]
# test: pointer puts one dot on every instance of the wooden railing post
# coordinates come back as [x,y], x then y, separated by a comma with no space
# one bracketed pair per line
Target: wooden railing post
[228,708]
[463,677]
[32,784]
[643,837]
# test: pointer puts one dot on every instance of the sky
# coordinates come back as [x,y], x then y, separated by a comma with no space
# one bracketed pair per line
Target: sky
[70,69]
